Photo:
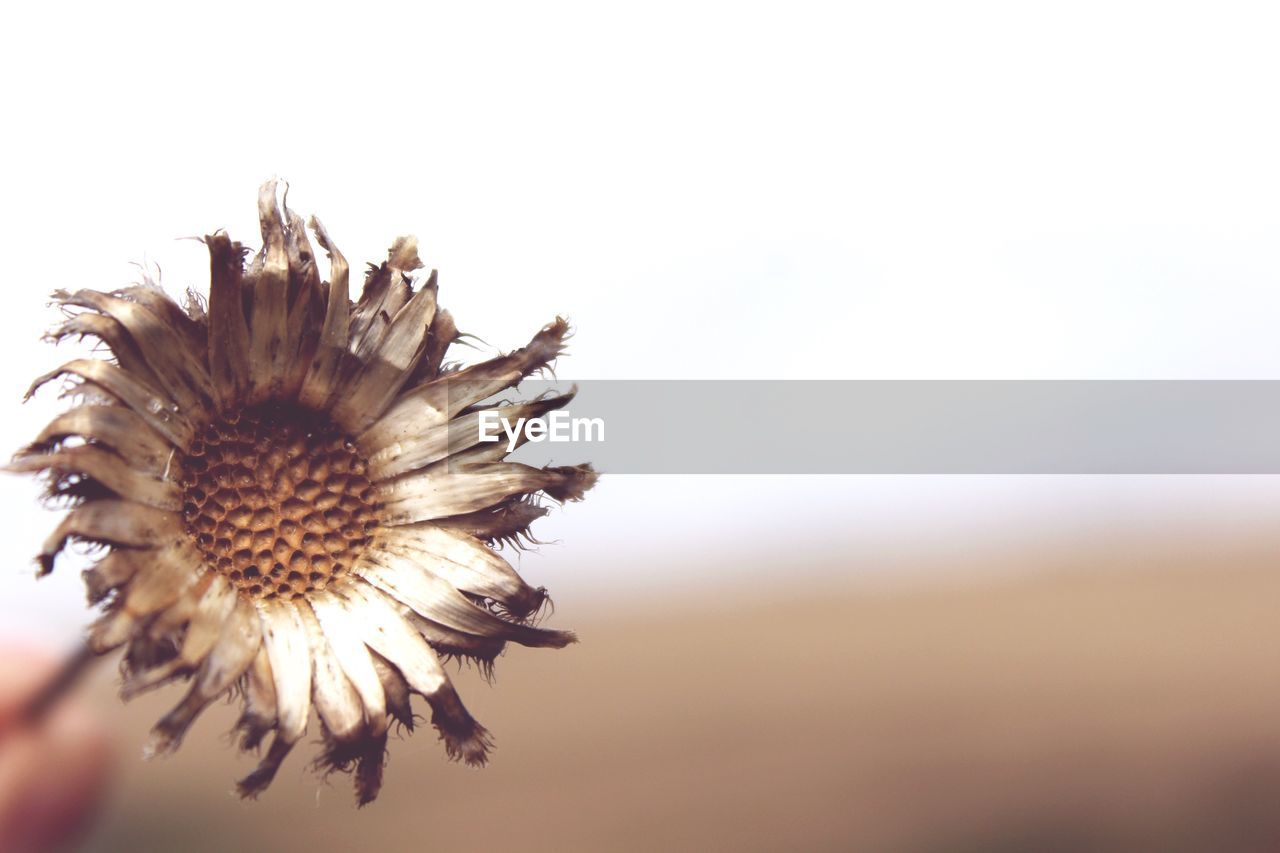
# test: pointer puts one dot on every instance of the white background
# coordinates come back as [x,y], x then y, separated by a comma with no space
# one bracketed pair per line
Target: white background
[1024,190]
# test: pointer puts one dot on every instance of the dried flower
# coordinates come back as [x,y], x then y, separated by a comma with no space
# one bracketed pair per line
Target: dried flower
[294,503]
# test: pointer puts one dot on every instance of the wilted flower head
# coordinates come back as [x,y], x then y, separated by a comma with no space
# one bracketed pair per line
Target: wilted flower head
[293,498]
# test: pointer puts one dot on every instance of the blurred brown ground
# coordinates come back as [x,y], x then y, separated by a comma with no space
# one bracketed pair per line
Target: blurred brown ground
[1126,696]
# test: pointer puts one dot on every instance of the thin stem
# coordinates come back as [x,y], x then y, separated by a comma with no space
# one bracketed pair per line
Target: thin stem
[56,687]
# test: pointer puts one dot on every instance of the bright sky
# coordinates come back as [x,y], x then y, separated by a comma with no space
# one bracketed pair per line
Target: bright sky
[938,190]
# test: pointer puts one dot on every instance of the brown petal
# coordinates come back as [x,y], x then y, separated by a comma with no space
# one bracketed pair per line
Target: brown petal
[464,563]
[172,361]
[268,323]
[202,633]
[117,427]
[106,468]
[238,643]
[112,522]
[402,579]
[389,635]
[446,489]
[431,444]
[228,329]
[332,693]
[353,656]
[438,400]
[387,367]
[322,375]
[162,415]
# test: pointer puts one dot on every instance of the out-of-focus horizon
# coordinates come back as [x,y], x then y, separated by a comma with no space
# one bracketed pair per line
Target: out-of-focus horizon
[1121,697]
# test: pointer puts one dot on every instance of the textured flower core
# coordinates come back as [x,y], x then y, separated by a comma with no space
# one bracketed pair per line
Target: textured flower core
[278,499]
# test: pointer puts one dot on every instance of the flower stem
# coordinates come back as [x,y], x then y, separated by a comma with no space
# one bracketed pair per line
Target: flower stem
[56,687]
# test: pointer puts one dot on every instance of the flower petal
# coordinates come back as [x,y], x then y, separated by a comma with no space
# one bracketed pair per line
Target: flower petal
[107,469]
[446,489]
[389,365]
[411,452]
[268,324]
[203,631]
[113,334]
[386,291]
[172,360]
[440,399]
[396,690]
[112,630]
[256,782]
[259,715]
[238,644]
[152,297]
[159,413]
[306,314]
[464,563]
[506,522]
[117,427]
[285,639]
[384,629]
[113,571]
[168,574]
[112,522]
[353,656]
[228,329]
[442,334]
[387,633]
[403,579]
[322,374]
[335,699]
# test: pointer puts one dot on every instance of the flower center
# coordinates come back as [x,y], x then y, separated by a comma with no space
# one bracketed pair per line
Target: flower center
[278,499]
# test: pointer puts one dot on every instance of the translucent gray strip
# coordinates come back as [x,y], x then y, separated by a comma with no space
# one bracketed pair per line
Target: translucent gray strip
[905,427]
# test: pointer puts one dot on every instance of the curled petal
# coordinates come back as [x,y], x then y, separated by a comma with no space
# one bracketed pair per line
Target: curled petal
[159,413]
[172,360]
[112,471]
[152,297]
[116,427]
[322,374]
[386,291]
[396,690]
[164,578]
[113,571]
[269,283]
[256,782]
[438,601]
[466,564]
[112,522]
[307,308]
[505,523]
[113,334]
[443,333]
